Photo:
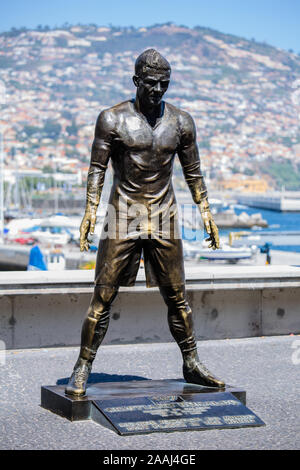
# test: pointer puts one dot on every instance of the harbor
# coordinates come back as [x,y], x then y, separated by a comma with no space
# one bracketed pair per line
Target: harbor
[58,239]
[254,229]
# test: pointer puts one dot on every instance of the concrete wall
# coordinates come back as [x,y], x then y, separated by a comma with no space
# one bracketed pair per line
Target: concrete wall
[47,309]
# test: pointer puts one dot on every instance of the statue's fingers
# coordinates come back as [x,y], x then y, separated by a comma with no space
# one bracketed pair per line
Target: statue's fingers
[216,232]
[213,244]
[92,226]
[210,239]
[216,239]
[84,243]
[84,229]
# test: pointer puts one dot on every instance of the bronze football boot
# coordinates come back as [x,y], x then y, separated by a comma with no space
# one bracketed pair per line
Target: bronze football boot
[78,380]
[195,372]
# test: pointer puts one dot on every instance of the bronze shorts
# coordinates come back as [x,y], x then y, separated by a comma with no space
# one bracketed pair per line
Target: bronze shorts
[118,262]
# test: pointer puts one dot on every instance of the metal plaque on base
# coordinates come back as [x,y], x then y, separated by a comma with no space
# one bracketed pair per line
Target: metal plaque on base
[168,413]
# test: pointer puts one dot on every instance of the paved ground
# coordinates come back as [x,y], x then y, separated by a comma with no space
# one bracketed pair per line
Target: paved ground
[263,366]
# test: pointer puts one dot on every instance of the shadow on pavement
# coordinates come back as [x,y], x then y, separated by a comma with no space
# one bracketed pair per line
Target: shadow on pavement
[96,378]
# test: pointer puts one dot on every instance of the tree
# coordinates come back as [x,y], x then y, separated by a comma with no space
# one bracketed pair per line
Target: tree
[248,172]
[52,129]
[73,129]
[31,130]
[61,42]
[48,169]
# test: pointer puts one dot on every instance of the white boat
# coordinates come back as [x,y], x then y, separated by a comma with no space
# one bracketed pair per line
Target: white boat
[47,236]
[58,230]
[15,227]
[224,253]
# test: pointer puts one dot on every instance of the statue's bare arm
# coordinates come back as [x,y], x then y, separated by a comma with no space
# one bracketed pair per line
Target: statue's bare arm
[101,151]
[190,162]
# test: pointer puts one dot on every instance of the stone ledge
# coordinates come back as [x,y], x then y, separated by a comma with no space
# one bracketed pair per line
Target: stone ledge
[202,278]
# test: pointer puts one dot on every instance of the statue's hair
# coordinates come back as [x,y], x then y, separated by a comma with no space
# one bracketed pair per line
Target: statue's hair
[149,60]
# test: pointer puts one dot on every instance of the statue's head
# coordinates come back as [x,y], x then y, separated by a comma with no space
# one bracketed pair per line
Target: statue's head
[152,77]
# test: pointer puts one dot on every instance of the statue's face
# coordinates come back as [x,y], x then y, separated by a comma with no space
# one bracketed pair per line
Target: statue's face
[152,86]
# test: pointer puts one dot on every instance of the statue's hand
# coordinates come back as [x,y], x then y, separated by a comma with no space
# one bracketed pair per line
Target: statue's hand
[87,227]
[212,230]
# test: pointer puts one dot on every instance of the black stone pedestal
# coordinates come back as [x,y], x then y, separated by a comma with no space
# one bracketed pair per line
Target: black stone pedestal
[153,405]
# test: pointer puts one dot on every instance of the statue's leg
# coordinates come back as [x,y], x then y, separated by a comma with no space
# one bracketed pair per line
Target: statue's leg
[93,331]
[181,326]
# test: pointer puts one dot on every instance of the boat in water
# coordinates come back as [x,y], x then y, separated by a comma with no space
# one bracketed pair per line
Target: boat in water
[192,250]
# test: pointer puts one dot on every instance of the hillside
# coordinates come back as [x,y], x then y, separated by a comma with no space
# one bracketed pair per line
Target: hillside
[242,94]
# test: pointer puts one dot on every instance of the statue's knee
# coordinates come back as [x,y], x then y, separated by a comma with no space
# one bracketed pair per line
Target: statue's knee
[175,297]
[101,302]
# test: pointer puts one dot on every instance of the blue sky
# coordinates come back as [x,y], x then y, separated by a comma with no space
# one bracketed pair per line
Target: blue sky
[273,21]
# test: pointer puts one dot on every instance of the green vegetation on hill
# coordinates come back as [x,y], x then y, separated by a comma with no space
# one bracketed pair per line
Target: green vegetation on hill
[285,174]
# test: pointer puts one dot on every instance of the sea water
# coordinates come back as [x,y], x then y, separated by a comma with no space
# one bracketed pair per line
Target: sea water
[277,222]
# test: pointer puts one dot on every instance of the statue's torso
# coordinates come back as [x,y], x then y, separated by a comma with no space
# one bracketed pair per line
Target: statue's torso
[142,156]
